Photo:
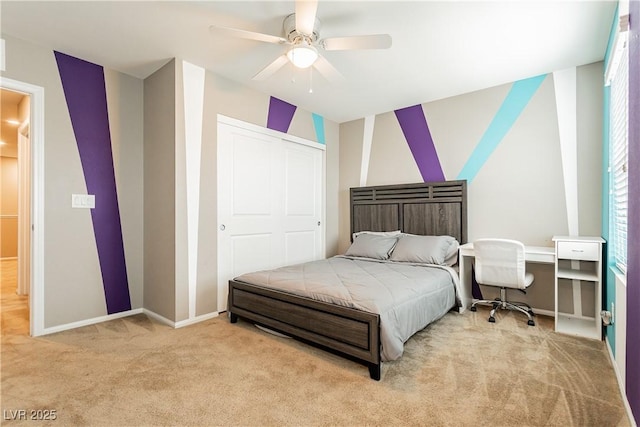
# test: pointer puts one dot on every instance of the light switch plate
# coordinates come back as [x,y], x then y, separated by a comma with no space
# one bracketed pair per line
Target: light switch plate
[86,201]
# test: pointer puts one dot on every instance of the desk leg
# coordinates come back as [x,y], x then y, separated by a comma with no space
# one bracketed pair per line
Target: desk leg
[465,282]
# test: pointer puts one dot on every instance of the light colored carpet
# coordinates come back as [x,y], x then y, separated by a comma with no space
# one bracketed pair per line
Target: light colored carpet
[460,371]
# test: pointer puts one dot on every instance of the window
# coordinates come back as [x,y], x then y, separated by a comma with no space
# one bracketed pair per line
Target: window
[618,77]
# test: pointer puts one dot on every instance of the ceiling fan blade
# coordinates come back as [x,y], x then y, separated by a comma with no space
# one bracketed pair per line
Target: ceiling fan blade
[306,16]
[327,70]
[373,41]
[270,69]
[244,34]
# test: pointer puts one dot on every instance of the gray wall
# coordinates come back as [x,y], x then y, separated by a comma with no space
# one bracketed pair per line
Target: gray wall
[221,96]
[166,224]
[159,192]
[590,130]
[128,151]
[72,278]
[351,135]
[147,131]
[519,192]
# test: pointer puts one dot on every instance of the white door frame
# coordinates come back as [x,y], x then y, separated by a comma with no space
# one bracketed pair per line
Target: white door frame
[24,208]
[36,133]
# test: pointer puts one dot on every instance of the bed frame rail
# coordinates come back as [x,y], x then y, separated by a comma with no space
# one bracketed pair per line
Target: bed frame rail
[351,332]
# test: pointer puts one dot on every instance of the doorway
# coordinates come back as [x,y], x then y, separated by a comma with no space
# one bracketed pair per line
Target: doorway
[23,271]
[15,221]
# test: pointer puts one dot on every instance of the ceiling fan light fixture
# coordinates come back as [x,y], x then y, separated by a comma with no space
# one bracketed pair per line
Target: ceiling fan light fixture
[302,55]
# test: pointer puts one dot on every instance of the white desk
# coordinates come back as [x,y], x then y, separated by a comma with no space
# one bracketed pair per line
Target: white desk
[539,254]
[579,266]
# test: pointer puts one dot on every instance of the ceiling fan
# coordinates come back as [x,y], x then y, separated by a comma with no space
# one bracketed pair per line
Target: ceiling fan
[302,38]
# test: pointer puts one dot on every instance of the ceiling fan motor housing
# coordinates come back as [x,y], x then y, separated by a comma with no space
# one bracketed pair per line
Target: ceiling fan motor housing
[292,34]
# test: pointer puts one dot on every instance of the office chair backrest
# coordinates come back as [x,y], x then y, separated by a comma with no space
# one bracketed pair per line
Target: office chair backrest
[500,262]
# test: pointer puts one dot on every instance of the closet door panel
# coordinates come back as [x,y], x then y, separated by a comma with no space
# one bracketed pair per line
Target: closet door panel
[248,250]
[252,176]
[249,209]
[300,246]
[299,181]
[303,203]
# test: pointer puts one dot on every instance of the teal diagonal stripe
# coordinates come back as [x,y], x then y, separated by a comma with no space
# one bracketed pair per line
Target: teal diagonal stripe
[318,124]
[517,99]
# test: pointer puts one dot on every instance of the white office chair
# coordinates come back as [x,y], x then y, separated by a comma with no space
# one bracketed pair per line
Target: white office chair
[500,263]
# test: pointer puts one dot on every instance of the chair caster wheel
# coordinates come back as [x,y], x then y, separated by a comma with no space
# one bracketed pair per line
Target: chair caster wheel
[531,323]
[492,319]
[473,309]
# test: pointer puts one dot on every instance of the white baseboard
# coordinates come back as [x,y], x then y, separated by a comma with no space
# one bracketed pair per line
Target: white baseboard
[161,319]
[181,323]
[623,392]
[157,317]
[544,312]
[196,319]
[74,325]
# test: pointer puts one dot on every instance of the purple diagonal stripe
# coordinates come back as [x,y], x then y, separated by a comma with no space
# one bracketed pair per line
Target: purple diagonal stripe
[476,292]
[280,114]
[416,132]
[633,224]
[84,90]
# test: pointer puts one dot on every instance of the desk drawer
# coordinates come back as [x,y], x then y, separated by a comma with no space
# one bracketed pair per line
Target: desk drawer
[584,251]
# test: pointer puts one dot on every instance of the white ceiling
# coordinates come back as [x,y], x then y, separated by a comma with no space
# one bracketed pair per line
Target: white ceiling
[440,48]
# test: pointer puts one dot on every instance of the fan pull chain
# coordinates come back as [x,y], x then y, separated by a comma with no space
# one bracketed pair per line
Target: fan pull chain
[310,79]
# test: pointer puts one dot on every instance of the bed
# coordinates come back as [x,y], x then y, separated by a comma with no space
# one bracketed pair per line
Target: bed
[423,209]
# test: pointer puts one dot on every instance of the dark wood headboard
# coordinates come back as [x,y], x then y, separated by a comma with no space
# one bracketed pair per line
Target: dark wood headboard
[430,208]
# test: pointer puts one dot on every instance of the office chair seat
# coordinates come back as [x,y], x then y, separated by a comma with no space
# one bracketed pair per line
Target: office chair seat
[501,263]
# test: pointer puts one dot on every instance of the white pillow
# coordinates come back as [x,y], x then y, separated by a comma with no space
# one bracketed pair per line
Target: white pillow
[372,246]
[377,233]
[424,249]
[452,254]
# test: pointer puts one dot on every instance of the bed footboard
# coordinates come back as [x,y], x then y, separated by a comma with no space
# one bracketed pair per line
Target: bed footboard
[348,331]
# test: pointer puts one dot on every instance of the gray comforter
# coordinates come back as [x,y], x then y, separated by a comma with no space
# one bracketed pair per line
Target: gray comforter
[406,296]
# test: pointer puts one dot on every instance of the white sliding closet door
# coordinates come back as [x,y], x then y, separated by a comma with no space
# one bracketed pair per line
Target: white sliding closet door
[270,201]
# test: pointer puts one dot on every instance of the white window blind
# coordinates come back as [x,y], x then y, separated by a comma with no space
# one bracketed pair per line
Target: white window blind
[618,157]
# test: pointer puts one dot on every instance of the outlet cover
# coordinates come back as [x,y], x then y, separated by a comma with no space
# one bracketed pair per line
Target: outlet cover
[613,312]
